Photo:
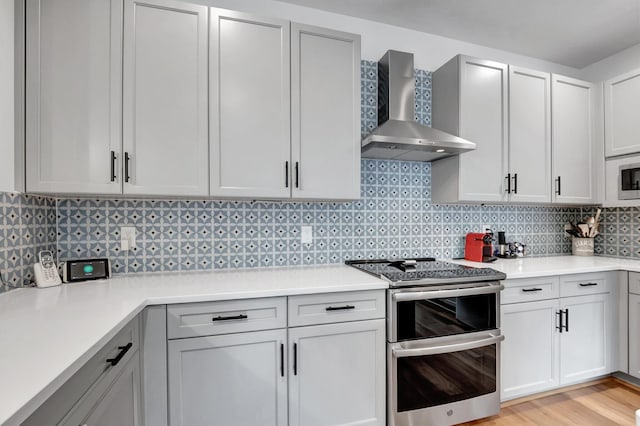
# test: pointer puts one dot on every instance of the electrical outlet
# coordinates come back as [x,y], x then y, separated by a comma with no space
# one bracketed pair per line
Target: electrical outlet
[307,234]
[127,237]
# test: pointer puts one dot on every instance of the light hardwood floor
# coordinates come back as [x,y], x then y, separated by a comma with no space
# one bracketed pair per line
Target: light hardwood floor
[605,402]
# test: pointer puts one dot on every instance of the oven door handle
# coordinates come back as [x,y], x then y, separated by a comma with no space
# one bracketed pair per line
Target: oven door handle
[456,347]
[438,294]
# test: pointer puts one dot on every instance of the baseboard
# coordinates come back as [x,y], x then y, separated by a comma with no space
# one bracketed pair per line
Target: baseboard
[561,389]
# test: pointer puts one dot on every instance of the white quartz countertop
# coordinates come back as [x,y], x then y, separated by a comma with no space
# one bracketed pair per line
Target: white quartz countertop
[528,267]
[47,334]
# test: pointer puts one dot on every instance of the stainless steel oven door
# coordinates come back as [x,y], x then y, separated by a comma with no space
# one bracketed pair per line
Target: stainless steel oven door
[416,313]
[444,380]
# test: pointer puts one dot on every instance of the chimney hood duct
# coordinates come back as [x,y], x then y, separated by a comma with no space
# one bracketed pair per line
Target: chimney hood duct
[398,136]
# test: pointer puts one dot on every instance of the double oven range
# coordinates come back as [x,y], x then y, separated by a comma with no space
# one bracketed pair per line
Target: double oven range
[443,340]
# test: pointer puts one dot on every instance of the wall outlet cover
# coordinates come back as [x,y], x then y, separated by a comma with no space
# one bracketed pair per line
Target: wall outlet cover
[127,237]
[306,234]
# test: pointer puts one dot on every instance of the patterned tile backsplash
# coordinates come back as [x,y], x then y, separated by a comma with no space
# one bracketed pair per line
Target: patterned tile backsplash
[27,225]
[620,232]
[394,218]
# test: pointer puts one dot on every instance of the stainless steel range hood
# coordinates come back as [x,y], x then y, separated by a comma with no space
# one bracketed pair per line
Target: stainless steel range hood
[398,135]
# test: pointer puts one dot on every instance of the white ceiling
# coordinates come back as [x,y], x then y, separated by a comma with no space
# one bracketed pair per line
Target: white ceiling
[575,33]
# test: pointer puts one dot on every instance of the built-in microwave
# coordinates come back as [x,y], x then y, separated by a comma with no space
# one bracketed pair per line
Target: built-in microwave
[629,182]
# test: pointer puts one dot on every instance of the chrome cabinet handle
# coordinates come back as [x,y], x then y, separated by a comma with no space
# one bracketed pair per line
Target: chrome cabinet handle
[456,347]
[420,295]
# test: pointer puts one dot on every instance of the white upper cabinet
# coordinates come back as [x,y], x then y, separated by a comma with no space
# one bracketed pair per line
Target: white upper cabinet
[572,135]
[470,100]
[73,96]
[168,98]
[250,106]
[165,135]
[529,136]
[621,112]
[325,100]
[483,120]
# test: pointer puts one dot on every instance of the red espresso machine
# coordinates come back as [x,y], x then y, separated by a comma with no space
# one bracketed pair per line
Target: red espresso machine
[479,247]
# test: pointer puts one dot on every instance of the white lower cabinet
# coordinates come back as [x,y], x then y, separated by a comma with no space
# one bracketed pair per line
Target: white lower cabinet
[585,344]
[556,341]
[255,371]
[337,374]
[119,405]
[530,358]
[235,379]
[105,391]
[634,335]
[634,324]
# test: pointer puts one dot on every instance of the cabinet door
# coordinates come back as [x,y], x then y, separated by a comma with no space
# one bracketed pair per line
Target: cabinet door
[585,344]
[250,106]
[530,357]
[119,405]
[634,335]
[325,119]
[73,96]
[572,140]
[621,112]
[483,120]
[337,374]
[529,135]
[234,379]
[165,98]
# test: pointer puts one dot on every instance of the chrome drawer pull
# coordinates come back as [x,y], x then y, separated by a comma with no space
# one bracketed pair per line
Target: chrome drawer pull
[340,308]
[587,284]
[121,354]
[235,317]
[528,290]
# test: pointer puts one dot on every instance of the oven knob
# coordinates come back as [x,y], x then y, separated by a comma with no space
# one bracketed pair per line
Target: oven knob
[450,413]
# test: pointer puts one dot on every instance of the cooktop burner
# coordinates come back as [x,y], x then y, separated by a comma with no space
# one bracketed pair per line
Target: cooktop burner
[401,272]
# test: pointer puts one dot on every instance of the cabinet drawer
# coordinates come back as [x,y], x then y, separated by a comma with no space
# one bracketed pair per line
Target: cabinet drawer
[530,289]
[97,370]
[634,282]
[336,307]
[231,316]
[578,285]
